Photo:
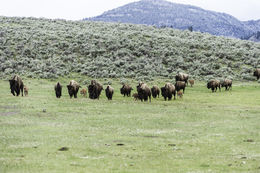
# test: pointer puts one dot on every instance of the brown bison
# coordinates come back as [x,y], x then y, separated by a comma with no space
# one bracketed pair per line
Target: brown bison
[257,73]
[168,90]
[136,96]
[227,83]
[58,90]
[214,85]
[83,92]
[191,81]
[109,92]
[73,88]
[143,91]
[94,89]
[25,89]
[180,94]
[126,90]
[155,91]
[16,84]
[180,85]
[182,77]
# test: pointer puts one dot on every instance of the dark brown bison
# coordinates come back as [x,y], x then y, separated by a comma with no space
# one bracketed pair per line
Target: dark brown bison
[83,92]
[182,77]
[109,92]
[25,89]
[191,81]
[58,90]
[144,92]
[136,96]
[94,89]
[214,85]
[227,83]
[257,73]
[155,91]
[126,90]
[180,85]
[16,85]
[73,88]
[168,90]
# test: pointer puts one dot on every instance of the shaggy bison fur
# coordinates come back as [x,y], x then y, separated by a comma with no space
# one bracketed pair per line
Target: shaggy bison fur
[16,85]
[180,85]
[73,88]
[94,89]
[227,83]
[155,91]
[58,90]
[126,90]
[109,92]
[143,92]
[168,90]
[182,77]
[214,85]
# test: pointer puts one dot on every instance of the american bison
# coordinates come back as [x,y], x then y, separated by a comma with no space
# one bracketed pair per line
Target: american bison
[191,81]
[227,83]
[182,77]
[143,91]
[126,90]
[25,89]
[214,85]
[73,88]
[16,84]
[168,90]
[58,90]
[94,89]
[136,96]
[83,92]
[109,92]
[257,73]
[180,94]
[180,85]
[155,91]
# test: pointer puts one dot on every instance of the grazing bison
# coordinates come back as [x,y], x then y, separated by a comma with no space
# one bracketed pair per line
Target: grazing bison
[227,83]
[16,84]
[155,91]
[257,73]
[25,89]
[191,81]
[182,77]
[180,94]
[83,92]
[126,90]
[136,96]
[214,85]
[94,89]
[109,92]
[180,85]
[58,90]
[143,92]
[168,90]
[73,88]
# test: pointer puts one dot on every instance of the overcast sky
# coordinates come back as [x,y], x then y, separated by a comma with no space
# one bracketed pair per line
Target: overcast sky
[79,9]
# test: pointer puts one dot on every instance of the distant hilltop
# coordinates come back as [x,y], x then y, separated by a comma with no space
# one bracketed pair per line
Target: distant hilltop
[161,13]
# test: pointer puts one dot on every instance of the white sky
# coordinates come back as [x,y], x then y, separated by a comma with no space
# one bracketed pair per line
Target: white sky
[79,9]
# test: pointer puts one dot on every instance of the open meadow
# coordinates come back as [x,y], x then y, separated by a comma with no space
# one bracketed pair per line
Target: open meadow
[203,132]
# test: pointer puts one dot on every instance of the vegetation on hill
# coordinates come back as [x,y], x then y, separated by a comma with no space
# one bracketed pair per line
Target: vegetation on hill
[51,48]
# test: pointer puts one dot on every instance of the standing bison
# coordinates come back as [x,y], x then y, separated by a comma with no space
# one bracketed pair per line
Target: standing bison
[227,83]
[180,85]
[94,89]
[73,88]
[109,92]
[257,73]
[126,90]
[16,84]
[168,90]
[155,91]
[214,85]
[58,90]
[182,77]
[143,92]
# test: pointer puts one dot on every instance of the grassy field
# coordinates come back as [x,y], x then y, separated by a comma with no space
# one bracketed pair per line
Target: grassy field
[203,132]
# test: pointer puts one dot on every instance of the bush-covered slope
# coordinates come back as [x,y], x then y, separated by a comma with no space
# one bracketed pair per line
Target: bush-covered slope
[51,48]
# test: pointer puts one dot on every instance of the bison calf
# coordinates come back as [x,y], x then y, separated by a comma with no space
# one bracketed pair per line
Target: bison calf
[180,94]
[83,92]
[25,89]
[136,97]
[191,81]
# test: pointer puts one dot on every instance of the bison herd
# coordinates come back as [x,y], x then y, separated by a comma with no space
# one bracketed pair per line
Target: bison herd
[144,93]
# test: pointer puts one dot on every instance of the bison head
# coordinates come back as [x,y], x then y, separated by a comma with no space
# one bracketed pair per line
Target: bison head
[12,86]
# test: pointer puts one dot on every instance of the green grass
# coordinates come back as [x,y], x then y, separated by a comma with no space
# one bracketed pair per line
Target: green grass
[203,132]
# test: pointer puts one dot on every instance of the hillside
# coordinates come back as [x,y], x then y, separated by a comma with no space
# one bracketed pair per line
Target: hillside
[50,48]
[162,13]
